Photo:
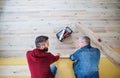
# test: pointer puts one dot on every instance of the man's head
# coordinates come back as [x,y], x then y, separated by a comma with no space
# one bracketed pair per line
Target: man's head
[42,43]
[84,41]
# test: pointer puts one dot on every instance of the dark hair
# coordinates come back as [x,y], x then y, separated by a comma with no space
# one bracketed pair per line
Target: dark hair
[40,40]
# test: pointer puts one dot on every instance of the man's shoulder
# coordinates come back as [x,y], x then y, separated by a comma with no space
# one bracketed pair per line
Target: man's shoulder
[96,49]
[49,53]
[29,52]
[79,50]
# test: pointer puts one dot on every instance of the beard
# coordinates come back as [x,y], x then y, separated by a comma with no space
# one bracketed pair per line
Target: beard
[45,49]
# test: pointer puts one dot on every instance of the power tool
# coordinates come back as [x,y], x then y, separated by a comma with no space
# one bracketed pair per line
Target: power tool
[63,34]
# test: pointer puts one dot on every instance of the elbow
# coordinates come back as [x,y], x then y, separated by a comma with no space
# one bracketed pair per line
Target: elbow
[72,58]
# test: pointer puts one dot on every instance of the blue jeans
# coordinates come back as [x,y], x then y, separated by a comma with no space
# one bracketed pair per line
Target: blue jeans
[53,69]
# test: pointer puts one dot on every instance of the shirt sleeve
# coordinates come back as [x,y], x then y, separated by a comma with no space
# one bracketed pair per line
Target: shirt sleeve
[53,58]
[30,56]
[74,56]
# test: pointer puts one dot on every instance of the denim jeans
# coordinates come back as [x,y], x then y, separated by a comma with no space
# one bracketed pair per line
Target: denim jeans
[53,69]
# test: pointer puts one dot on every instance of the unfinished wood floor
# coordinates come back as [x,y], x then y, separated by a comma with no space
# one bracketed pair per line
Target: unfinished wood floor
[22,20]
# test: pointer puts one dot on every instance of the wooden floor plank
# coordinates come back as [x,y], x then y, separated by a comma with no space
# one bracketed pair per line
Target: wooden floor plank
[13,61]
[64,65]
[21,61]
[14,76]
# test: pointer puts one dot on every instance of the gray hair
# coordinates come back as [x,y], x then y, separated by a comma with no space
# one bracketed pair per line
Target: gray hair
[85,39]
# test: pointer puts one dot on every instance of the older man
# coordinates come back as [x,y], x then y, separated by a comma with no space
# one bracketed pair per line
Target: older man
[86,59]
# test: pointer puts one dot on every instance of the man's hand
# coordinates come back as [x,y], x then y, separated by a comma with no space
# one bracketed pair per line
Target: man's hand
[58,54]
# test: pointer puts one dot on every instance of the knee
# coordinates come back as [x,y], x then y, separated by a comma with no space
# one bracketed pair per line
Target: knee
[53,67]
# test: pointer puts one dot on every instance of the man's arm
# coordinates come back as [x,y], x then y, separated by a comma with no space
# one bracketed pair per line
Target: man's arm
[53,58]
[74,56]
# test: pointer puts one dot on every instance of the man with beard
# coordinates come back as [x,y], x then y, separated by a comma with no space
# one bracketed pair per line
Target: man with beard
[39,59]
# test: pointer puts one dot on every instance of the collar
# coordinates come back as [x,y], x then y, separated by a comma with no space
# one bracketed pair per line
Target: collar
[87,46]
